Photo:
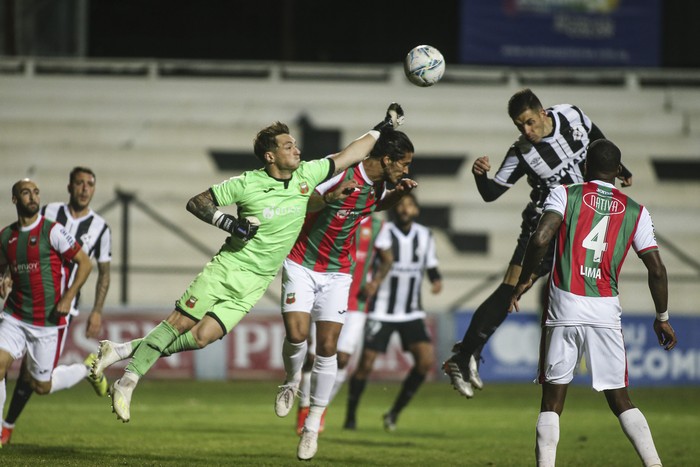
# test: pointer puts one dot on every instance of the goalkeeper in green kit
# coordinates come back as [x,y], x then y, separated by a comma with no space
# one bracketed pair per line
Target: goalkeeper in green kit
[271,204]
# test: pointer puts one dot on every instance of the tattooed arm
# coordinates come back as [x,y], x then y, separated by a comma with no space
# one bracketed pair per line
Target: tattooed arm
[204,207]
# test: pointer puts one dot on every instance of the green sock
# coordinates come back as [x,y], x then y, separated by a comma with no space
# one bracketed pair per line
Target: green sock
[151,348]
[183,342]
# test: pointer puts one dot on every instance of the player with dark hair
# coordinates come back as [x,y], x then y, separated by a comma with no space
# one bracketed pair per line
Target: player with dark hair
[37,252]
[316,276]
[397,307]
[550,151]
[271,205]
[372,263]
[594,225]
[92,232]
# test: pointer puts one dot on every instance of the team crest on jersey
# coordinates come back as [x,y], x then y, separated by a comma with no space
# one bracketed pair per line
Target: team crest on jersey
[191,302]
[33,240]
[372,193]
[578,132]
[290,299]
[365,232]
[304,188]
[605,205]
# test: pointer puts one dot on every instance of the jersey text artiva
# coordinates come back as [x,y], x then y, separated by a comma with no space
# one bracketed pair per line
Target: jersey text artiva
[600,224]
[90,231]
[37,256]
[365,247]
[327,239]
[556,160]
[399,296]
[280,205]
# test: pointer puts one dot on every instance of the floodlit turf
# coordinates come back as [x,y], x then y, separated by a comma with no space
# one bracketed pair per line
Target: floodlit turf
[185,423]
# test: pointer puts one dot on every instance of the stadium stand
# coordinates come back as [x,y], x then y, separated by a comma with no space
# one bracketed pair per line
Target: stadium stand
[160,132]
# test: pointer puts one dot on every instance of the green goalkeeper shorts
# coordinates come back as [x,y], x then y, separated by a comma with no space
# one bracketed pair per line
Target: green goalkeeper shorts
[224,290]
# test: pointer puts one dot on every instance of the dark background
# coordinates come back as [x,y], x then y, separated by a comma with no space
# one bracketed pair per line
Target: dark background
[356,31]
[315,30]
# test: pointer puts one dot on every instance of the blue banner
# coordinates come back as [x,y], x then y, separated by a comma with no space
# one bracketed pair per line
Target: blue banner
[560,32]
[512,352]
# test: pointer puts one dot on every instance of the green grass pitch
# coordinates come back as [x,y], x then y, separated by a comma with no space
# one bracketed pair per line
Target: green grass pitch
[188,423]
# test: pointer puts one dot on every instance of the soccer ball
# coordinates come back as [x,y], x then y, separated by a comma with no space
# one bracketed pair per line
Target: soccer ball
[424,65]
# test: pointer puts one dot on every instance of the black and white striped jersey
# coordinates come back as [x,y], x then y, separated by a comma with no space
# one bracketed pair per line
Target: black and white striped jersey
[91,231]
[399,296]
[556,160]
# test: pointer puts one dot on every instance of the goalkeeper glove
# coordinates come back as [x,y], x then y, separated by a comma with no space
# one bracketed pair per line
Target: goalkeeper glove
[241,228]
[393,119]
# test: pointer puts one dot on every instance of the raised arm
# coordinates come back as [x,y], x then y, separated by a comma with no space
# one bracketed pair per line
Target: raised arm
[488,188]
[358,150]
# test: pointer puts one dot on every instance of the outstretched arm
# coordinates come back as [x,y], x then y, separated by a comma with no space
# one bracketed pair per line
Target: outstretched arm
[405,185]
[535,251]
[359,149]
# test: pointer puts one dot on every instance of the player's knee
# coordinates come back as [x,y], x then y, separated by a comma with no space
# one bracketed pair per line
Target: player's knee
[326,348]
[343,360]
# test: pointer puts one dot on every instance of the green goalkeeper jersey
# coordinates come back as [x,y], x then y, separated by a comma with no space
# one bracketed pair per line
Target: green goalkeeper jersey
[280,205]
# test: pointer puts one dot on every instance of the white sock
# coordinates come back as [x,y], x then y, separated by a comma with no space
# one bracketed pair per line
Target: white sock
[3,397]
[305,389]
[124,350]
[129,380]
[293,356]
[67,376]
[322,379]
[637,430]
[547,439]
[340,378]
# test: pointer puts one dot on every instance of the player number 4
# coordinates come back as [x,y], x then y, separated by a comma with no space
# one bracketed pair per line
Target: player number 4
[595,240]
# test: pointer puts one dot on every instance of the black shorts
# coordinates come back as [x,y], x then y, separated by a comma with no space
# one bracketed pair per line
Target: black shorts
[531,216]
[378,333]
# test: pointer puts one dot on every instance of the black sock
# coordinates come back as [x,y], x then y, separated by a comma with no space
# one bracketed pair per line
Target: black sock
[486,319]
[409,388]
[355,390]
[20,397]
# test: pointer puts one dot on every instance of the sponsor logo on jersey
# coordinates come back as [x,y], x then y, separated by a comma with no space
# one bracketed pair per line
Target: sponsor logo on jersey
[342,312]
[603,204]
[27,267]
[191,302]
[290,299]
[347,213]
[304,188]
[267,190]
[270,212]
[12,240]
